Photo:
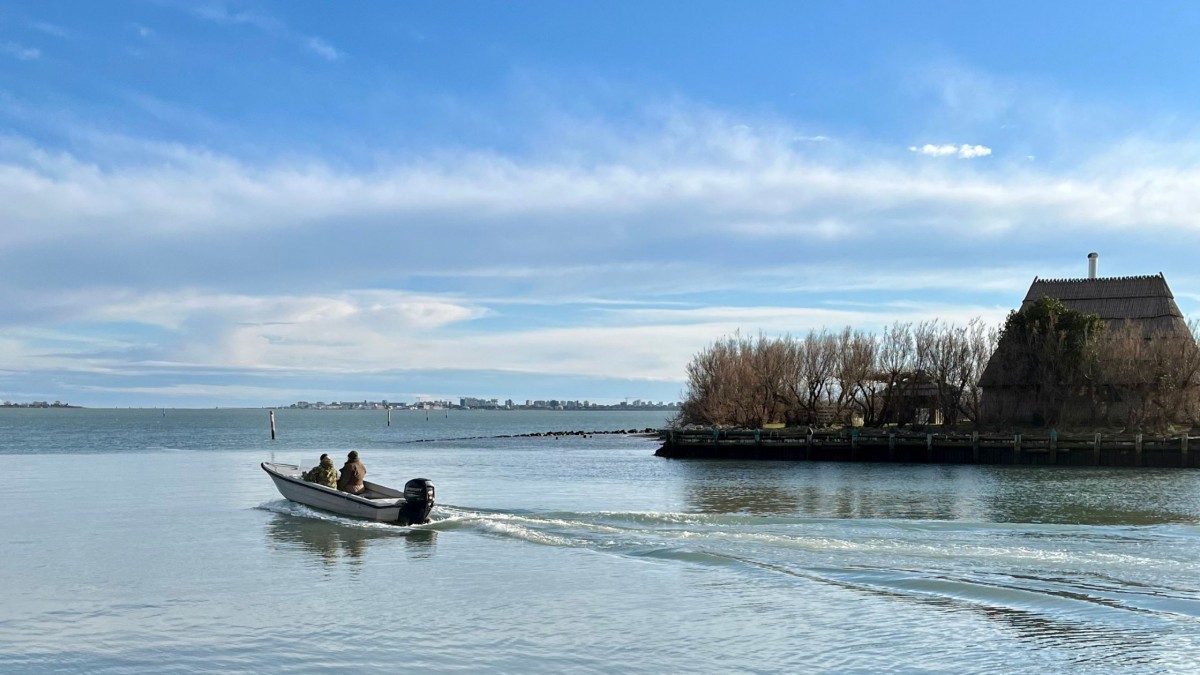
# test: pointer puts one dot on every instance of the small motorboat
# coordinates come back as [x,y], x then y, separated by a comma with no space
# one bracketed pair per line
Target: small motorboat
[377,502]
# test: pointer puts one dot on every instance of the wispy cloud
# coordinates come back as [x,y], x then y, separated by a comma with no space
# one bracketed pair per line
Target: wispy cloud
[50,29]
[964,151]
[220,13]
[323,49]
[20,51]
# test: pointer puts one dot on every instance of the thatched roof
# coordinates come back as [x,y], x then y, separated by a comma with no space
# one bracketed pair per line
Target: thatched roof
[1145,300]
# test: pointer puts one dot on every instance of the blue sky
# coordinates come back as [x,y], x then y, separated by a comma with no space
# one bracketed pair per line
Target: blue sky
[252,203]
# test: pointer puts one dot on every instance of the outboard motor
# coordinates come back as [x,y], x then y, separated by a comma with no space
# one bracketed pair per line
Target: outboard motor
[418,501]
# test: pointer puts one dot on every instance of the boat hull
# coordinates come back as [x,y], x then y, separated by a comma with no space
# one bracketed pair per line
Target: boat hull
[386,504]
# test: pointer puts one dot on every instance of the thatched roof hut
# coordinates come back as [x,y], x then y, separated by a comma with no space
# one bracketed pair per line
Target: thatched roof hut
[1144,302]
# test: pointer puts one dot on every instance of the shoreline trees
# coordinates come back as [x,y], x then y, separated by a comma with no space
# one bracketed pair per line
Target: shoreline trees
[1053,366]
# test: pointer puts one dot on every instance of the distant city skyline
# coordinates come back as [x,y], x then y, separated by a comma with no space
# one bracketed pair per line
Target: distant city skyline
[241,202]
[473,403]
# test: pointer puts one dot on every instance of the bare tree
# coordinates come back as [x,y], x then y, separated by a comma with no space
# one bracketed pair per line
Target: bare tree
[980,345]
[896,358]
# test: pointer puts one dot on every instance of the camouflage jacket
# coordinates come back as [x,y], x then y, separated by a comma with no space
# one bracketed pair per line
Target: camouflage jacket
[322,474]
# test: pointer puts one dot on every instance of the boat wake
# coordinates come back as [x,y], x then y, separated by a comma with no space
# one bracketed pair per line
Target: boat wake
[1037,580]
[1052,581]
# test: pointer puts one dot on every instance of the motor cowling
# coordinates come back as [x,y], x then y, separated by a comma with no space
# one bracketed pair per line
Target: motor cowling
[418,501]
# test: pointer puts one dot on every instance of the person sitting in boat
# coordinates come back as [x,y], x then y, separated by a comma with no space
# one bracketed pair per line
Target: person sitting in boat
[352,476]
[323,473]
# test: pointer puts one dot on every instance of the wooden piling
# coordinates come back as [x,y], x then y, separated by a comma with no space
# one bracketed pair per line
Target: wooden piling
[389,417]
[272,416]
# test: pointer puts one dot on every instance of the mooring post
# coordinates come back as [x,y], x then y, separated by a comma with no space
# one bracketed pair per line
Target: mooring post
[1137,449]
[272,415]
[975,447]
[389,417]
[808,444]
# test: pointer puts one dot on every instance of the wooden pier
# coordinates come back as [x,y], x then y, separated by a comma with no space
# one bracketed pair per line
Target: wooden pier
[853,445]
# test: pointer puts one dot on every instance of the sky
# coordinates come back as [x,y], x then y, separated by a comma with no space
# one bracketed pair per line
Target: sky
[250,203]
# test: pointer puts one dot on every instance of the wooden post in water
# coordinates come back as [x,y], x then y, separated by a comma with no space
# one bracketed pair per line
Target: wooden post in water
[272,415]
[389,417]
[1096,450]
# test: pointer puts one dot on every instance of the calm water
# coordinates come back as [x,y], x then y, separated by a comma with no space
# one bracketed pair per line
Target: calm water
[138,541]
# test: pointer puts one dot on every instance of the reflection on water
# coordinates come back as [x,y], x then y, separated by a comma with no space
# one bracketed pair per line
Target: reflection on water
[330,541]
[1060,495]
[741,498]
[420,543]
[1091,496]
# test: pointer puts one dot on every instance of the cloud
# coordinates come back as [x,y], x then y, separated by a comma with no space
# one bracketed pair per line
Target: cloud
[129,257]
[681,189]
[323,49]
[219,13]
[375,331]
[20,51]
[965,151]
[50,29]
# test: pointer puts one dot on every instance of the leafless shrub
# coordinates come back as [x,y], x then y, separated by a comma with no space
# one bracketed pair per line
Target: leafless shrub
[919,373]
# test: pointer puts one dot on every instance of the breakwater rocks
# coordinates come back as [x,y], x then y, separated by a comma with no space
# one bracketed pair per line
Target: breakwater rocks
[627,432]
[1044,447]
[648,432]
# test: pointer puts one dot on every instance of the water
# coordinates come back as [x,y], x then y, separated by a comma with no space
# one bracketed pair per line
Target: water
[140,541]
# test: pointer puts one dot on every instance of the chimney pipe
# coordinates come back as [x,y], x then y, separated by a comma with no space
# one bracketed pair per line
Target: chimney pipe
[1092,259]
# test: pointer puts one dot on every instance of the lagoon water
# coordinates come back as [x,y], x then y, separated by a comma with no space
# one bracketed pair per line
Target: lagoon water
[149,541]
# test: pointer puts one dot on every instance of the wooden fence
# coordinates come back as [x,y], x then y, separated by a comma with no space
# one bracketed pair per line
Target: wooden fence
[853,445]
